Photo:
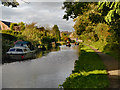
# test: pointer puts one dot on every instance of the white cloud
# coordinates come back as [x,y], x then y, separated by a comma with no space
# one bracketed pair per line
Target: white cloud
[44,13]
[44,0]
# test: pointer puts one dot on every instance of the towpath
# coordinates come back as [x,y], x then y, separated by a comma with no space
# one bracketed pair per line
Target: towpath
[113,68]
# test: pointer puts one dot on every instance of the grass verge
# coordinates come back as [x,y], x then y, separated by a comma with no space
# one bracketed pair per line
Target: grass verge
[89,71]
[105,48]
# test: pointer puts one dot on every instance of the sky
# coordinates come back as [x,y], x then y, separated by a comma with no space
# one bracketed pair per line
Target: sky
[43,13]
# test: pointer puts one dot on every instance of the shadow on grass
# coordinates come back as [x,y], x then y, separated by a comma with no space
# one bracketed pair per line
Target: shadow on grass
[89,72]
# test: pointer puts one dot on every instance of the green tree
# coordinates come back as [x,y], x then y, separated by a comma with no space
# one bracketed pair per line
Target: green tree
[64,36]
[22,25]
[111,13]
[8,3]
[36,35]
[97,23]
[74,9]
[89,26]
[111,10]
[12,25]
[56,32]
[46,40]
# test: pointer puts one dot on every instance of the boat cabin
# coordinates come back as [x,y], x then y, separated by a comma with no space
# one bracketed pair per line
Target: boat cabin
[24,44]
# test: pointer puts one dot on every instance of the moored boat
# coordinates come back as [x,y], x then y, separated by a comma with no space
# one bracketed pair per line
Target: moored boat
[21,50]
[20,53]
[68,44]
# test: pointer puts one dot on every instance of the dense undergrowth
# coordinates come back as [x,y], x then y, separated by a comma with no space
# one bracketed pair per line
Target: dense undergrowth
[89,71]
[7,42]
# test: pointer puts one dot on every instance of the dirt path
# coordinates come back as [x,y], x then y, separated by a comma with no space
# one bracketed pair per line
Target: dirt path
[113,68]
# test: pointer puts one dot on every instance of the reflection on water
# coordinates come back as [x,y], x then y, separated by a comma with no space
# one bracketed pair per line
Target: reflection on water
[43,53]
[45,72]
[72,47]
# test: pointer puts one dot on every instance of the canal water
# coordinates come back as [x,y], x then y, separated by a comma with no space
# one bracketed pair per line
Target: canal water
[46,71]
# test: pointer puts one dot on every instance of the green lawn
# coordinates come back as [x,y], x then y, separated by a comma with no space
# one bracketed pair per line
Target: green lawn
[89,71]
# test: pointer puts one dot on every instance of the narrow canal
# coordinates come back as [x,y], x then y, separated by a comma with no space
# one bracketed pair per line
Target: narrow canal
[47,71]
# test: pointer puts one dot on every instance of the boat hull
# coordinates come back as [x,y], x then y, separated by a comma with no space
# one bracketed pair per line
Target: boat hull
[20,56]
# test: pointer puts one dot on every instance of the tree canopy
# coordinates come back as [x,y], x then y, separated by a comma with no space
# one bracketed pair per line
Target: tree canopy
[8,3]
[56,32]
[21,24]
[111,11]
[73,9]
[96,22]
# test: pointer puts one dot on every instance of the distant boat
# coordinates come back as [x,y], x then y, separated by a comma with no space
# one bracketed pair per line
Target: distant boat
[68,44]
[76,43]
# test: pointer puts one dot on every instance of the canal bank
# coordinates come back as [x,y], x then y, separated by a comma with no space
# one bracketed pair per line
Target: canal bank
[89,71]
[46,72]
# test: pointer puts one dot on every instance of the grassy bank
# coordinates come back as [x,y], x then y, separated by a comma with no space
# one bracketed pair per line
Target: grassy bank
[89,71]
[110,49]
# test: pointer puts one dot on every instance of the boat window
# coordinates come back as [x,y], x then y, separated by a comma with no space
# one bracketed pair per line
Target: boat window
[12,49]
[19,50]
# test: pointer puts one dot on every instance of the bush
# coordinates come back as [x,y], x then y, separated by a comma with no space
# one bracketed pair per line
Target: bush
[8,37]
[7,31]
[7,43]
[46,40]
[81,45]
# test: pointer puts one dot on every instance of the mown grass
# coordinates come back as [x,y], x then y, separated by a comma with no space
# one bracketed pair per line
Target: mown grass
[89,71]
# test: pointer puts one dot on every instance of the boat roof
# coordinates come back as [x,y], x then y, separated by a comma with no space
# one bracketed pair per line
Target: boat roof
[23,42]
[18,47]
